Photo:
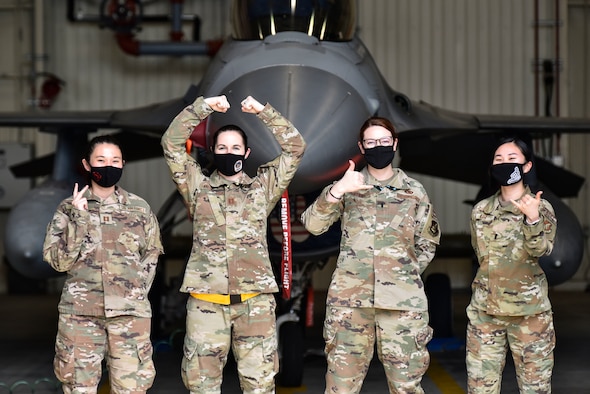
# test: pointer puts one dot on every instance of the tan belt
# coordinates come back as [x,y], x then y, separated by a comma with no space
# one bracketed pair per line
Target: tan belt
[225,299]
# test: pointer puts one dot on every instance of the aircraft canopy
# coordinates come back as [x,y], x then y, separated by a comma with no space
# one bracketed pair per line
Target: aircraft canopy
[328,20]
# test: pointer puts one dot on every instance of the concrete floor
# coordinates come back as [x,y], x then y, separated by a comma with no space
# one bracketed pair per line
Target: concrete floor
[28,325]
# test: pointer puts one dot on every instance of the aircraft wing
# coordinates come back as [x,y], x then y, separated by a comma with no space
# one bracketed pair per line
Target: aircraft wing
[153,118]
[50,120]
[463,152]
[139,127]
[540,126]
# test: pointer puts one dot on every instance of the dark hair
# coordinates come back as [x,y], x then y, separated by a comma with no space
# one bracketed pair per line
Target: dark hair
[377,121]
[524,148]
[230,127]
[102,139]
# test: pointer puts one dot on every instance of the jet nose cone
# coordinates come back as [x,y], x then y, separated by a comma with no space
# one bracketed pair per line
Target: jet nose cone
[25,231]
[326,110]
[24,253]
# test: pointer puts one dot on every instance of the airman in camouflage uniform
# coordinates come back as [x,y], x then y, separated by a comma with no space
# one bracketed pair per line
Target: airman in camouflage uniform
[389,236]
[510,305]
[229,273]
[108,242]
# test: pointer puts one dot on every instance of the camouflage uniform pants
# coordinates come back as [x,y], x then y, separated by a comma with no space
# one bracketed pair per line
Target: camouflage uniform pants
[401,338]
[248,327]
[531,340]
[82,343]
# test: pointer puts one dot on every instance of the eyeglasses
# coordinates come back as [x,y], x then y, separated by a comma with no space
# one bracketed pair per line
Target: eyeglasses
[383,141]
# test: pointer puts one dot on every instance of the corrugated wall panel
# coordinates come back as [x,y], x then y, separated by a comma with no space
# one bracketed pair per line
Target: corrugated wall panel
[99,75]
[578,148]
[15,22]
[466,55]
[463,55]
[577,152]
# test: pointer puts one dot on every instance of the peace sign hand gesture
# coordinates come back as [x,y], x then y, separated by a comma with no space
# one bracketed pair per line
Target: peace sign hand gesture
[79,201]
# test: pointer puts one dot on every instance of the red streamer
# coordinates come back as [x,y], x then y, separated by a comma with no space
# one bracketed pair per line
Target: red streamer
[286,260]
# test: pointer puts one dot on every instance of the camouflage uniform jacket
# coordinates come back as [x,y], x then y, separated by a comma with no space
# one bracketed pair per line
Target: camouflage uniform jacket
[110,253]
[389,236]
[230,253]
[509,280]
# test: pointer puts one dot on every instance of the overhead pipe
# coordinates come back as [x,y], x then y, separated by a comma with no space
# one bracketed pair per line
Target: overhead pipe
[76,16]
[130,45]
[176,33]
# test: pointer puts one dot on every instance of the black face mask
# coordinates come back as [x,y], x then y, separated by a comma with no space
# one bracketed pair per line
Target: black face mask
[380,156]
[228,164]
[507,174]
[106,176]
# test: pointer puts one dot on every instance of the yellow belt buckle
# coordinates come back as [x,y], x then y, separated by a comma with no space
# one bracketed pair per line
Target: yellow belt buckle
[214,298]
[224,299]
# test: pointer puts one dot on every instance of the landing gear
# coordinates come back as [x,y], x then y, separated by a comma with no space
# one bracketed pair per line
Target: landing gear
[292,318]
[292,349]
[440,304]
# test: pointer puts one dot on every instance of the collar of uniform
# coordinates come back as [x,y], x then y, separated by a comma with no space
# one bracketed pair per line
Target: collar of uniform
[119,195]
[398,180]
[495,203]
[217,180]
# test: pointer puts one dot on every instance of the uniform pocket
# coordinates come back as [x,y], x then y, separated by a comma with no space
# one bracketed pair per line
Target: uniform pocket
[189,348]
[190,363]
[63,363]
[145,352]
[270,354]
[329,333]
[542,347]
[423,337]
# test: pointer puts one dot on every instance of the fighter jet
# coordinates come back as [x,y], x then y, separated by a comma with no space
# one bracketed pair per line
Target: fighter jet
[307,60]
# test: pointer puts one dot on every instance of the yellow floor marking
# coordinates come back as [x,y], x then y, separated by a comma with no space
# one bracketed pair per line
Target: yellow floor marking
[104,388]
[291,390]
[445,382]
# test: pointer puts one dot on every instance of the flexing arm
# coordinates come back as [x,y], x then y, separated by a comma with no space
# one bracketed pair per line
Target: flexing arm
[278,173]
[181,164]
